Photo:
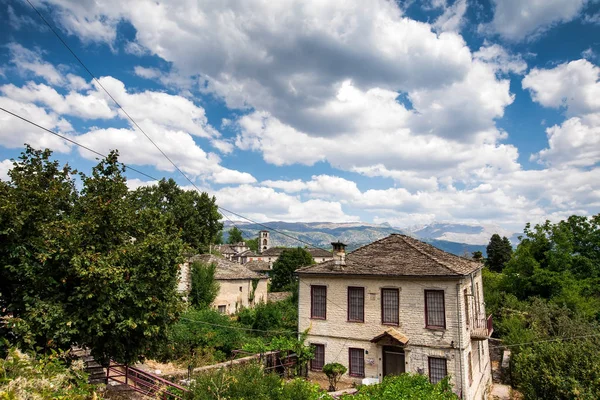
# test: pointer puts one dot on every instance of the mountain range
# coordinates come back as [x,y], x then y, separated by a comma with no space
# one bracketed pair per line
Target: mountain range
[459,239]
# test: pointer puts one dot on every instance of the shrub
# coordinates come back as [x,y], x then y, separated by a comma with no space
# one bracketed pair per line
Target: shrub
[204,287]
[405,387]
[251,382]
[334,372]
[25,377]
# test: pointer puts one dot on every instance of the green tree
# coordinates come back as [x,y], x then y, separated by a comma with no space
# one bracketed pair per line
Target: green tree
[477,255]
[253,244]
[283,268]
[499,251]
[235,235]
[85,267]
[195,215]
[334,372]
[204,286]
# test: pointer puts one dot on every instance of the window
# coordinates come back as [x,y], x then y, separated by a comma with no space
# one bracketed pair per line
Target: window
[470,369]
[316,364]
[389,306]
[241,289]
[357,362]
[356,304]
[435,313]
[437,369]
[318,302]
[467,307]
[222,309]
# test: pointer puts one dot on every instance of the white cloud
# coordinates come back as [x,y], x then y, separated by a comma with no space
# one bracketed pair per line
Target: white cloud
[15,132]
[574,85]
[148,73]
[229,176]
[27,61]
[5,166]
[518,20]
[502,59]
[576,142]
[292,186]
[453,17]
[135,183]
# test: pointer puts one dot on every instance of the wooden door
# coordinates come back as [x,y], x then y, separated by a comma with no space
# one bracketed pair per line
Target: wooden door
[393,360]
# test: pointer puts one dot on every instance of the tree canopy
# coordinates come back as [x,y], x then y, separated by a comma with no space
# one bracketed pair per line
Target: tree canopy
[195,215]
[204,286]
[284,267]
[84,267]
[235,235]
[498,252]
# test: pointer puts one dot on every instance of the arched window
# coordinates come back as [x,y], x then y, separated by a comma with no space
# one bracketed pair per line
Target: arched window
[265,242]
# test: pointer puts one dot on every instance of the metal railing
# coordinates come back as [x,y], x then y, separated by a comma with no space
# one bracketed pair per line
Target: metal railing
[144,382]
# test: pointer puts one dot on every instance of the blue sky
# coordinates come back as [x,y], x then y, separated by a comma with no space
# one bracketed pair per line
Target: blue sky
[407,113]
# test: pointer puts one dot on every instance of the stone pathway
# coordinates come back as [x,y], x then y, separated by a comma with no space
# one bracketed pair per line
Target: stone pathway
[500,392]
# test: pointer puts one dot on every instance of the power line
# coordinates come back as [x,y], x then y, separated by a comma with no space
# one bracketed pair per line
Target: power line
[147,136]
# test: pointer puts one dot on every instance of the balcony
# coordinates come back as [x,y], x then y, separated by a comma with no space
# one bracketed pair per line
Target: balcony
[482,328]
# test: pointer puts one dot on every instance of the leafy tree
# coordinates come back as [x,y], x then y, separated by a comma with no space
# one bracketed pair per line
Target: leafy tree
[334,372]
[406,387]
[84,267]
[195,215]
[477,255]
[499,251]
[235,236]
[283,268]
[253,244]
[204,286]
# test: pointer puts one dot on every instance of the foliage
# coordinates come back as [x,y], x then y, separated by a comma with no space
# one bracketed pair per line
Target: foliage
[283,268]
[235,236]
[85,266]
[251,382]
[252,244]
[334,372]
[204,286]
[498,252]
[477,255]
[199,330]
[24,376]
[276,316]
[195,216]
[405,387]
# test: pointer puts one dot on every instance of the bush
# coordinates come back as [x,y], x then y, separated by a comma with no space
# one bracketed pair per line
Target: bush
[405,387]
[25,377]
[202,335]
[251,382]
[334,372]
[204,287]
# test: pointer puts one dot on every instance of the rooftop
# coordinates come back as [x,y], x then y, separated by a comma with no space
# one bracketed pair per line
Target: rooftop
[397,255]
[314,251]
[226,269]
[257,265]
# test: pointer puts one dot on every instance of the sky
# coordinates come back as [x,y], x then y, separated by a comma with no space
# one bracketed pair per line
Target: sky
[407,112]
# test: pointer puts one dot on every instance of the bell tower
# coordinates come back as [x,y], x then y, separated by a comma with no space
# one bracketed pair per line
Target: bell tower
[264,242]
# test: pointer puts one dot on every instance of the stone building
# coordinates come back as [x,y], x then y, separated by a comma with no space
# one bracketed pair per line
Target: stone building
[238,285]
[319,255]
[398,305]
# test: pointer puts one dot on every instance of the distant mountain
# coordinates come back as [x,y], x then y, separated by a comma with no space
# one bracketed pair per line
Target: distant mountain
[354,234]
[461,233]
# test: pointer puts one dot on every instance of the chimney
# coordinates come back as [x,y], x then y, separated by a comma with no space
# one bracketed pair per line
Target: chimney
[339,256]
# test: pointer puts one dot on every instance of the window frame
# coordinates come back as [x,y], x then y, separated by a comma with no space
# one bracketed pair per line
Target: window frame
[435,327]
[363,304]
[351,366]
[383,322]
[312,366]
[312,303]
[429,359]
[222,309]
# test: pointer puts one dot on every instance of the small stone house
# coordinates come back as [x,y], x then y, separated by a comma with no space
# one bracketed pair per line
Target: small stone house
[319,255]
[238,285]
[398,305]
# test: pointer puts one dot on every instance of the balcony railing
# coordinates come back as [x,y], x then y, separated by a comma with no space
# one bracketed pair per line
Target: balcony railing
[482,328]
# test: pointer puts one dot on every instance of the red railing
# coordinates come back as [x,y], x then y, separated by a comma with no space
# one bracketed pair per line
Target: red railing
[144,382]
[490,325]
[482,327]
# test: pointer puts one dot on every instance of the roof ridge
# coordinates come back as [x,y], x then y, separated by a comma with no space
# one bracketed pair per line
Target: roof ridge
[426,254]
[369,244]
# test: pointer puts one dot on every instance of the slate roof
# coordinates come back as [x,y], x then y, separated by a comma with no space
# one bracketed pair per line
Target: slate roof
[397,255]
[315,252]
[257,265]
[392,333]
[226,249]
[226,269]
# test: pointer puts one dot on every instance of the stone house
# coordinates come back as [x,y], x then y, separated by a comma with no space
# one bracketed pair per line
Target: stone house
[238,285]
[319,255]
[398,305]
